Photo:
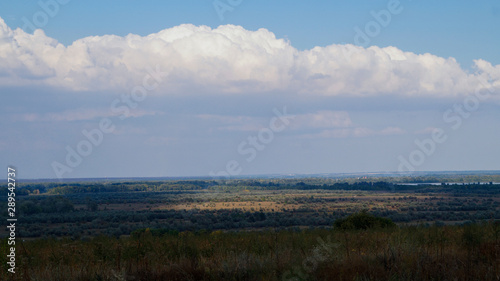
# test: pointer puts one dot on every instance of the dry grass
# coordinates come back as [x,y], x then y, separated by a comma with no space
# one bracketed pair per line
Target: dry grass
[416,253]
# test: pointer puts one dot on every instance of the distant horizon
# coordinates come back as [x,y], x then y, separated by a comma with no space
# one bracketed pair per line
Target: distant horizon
[269,176]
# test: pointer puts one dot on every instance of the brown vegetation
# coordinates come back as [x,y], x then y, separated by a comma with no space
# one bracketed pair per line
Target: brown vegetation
[469,252]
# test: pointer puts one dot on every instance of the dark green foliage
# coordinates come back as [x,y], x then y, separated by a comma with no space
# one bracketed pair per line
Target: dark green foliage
[51,204]
[362,221]
[91,204]
[154,232]
[460,184]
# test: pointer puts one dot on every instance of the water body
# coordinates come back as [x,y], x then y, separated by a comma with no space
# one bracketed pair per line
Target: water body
[449,183]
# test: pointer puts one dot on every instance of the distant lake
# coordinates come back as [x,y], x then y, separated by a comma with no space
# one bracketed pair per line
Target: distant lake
[450,183]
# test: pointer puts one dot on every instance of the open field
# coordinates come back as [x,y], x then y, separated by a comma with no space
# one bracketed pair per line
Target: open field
[281,229]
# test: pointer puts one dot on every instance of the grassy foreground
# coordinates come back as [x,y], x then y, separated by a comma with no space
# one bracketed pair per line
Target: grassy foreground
[469,252]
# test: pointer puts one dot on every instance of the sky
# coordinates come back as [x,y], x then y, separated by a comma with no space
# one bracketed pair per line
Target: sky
[236,87]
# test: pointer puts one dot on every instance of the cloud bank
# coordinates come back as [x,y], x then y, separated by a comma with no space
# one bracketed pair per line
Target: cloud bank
[231,60]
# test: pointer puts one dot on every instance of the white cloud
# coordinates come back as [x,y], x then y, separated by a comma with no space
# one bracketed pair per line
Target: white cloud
[230,60]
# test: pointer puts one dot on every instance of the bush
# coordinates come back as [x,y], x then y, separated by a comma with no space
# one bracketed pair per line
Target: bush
[361,221]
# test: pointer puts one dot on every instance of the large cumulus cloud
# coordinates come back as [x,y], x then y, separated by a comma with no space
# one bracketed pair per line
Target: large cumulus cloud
[231,60]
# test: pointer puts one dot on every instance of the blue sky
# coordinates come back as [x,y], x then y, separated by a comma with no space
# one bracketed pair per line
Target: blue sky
[218,82]
[459,29]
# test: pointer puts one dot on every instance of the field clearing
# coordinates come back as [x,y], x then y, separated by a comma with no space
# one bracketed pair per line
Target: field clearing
[86,210]
[294,200]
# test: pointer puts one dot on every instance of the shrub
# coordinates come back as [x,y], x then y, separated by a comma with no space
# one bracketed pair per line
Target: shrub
[361,221]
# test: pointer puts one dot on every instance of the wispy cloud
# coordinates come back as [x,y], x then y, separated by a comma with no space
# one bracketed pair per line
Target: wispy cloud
[357,132]
[322,119]
[81,114]
[226,118]
[319,119]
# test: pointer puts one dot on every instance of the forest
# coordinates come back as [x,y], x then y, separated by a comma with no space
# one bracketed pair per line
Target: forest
[371,228]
